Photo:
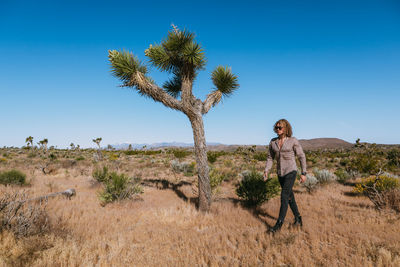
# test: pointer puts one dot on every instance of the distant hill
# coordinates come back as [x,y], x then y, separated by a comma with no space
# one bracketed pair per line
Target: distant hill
[318,143]
[307,144]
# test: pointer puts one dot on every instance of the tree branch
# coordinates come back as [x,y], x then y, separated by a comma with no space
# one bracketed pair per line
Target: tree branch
[156,93]
[211,100]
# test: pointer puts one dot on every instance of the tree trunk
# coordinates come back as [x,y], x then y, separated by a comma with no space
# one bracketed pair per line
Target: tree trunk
[200,149]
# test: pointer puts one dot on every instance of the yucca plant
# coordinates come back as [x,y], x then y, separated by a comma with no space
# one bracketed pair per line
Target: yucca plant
[29,140]
[182,57]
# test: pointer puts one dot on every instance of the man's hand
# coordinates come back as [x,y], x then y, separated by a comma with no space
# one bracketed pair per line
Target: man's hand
[303,178]
[265,176]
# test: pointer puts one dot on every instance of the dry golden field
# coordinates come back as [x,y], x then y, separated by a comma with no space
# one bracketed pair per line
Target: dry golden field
[163,227]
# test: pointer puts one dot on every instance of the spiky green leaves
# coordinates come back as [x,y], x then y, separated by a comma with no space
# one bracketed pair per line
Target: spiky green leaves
[224,80]
[173,86]
[179,54]
[124,65]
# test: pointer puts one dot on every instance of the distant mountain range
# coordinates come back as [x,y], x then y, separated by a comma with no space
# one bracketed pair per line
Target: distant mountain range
[157,145]
[307,144]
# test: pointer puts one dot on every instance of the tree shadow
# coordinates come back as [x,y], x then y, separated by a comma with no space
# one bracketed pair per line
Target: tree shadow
[257,211]
[351,194]
[356,205]
[163,184]
[349,184]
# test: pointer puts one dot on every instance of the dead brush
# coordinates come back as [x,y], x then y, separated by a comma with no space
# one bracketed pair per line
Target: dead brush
[392,199]
[389,198]
[21,217]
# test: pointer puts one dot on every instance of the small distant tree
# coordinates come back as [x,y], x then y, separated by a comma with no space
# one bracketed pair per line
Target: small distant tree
[357,143]
[43,144]
[130,147]
[72,145]
[97,141]
[181,56]
[29,140]
[109,147]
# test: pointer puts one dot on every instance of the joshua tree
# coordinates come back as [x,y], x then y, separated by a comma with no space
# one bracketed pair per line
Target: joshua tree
[43,144]
[29,140]
[180,55]
[72,145]
[97,141]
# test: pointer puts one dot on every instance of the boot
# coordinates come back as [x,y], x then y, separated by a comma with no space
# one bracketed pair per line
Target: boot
[276,227]
[298,221]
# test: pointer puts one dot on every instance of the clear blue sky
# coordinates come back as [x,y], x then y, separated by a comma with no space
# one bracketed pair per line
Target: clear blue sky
[332,68]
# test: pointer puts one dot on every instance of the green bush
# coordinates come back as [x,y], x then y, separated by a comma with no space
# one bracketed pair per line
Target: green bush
[342,175]
[254,191]
[101,175]
[141,152]
[216,179]
[260,156]
[116,186]
[381,183]
[311,183]
[188,169]
[212,156]
[393,158]
[180,153]
[324,176]
[80,158]
[368,161]
[12,177]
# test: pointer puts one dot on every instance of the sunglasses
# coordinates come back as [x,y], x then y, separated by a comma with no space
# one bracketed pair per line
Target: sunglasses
[278,128]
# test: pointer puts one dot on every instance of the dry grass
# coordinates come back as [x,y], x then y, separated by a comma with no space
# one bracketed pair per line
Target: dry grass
[164,230]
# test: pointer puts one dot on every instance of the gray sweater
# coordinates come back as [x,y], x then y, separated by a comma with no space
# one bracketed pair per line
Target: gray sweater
[285,157]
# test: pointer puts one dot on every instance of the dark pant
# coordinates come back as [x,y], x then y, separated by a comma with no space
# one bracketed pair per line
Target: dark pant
[287,196]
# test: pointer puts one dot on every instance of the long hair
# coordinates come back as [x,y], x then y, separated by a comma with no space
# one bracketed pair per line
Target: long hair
[284,123]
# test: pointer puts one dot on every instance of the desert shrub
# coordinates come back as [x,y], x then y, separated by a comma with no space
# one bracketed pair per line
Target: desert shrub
[368,161]
[228,163]
[393,158]
[101,175]
[180,153]
[383,191]
[216,178]
[324,176]
[32,155]
[311,183]
[141,152]
[253,190]
[260,156]
[212,156]
[342,175]
[116,186]
[12,177]
[392,199]
[228,173]
[113,156]
[21,217]
[68,163]
[80,158]
[188,169]
[380,184]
